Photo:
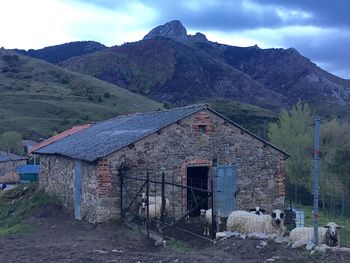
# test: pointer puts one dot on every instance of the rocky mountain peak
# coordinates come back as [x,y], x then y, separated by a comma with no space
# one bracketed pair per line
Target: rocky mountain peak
[173,29]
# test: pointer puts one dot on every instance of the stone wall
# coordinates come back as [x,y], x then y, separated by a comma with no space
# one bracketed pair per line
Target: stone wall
[57,177]
[260,167]
[8,172]
[193,141]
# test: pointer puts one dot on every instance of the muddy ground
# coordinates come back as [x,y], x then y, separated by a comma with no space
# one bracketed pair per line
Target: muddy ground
[59,238]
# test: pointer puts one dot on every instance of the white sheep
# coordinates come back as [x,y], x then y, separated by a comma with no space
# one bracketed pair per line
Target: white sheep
[326,235]
[257,210]
[155,199]
[154,210]
[247,223]
[206,219]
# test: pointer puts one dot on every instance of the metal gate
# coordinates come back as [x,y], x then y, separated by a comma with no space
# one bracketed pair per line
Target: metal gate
[225,189]
[130,192]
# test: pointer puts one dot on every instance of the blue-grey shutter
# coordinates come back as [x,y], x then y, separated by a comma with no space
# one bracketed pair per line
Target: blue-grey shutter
[225,189]
[77,189]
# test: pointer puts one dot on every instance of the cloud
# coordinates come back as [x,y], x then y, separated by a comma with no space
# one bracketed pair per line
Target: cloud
[40,23]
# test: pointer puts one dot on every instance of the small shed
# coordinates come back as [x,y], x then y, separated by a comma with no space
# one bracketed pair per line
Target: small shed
[28,172]
[81,166]
[8,164]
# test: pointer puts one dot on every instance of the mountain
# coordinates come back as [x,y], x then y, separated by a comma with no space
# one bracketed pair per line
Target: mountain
[170,66]
[58,53]
[38,98]
[173,72]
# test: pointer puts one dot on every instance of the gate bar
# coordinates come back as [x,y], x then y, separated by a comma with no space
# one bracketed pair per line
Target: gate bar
[147,192]
[135,197]
[174,184]
[188,213]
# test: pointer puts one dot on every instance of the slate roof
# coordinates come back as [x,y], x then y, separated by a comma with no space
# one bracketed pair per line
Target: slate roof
[59,136]
[4,157]
[104,138]
[28,169]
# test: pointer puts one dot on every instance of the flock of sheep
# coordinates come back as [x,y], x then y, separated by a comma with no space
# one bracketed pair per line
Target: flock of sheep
[250,222]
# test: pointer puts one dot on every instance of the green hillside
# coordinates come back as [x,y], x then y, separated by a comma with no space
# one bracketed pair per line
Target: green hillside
[39,99]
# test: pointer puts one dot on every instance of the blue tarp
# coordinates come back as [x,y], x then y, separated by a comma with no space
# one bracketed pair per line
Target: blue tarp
[28,169]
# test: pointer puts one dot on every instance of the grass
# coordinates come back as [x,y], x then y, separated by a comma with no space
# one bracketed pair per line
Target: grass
[39,99]
[17,204]
[324,218]
[179,245]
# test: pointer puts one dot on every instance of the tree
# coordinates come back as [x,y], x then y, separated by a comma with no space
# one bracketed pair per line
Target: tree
[11,142]
[335,167]
[293,132]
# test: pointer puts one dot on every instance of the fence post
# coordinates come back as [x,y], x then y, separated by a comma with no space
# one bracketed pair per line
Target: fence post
[163,201]
[213,215]
[316,175]
[147,203]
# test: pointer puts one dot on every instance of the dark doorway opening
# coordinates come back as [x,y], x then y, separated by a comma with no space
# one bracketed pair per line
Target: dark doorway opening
[197,177]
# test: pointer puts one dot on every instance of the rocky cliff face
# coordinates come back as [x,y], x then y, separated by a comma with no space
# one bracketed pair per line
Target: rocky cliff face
[173,29]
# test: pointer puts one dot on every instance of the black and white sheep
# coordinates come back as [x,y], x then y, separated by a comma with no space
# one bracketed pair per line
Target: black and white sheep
[247,223]
[257,210]
[328,234]
[206,220]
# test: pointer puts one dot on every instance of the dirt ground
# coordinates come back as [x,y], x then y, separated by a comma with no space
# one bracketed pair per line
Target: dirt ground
[57,237]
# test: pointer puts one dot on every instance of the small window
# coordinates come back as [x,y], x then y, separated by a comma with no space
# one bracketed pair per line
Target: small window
[202,129]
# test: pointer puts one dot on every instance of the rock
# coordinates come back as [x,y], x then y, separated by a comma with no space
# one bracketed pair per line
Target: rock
[232,234]
[309,246]
[220,235]
[322,249]
[173,29]
[198,37]
[263,243]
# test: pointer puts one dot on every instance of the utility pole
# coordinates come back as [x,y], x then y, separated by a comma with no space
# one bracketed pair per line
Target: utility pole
[316,175]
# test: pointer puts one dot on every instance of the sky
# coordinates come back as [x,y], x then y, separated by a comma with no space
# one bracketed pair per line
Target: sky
[318,29]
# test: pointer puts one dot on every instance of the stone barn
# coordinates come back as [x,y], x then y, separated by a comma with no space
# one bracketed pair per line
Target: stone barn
[185,143]
[8,164]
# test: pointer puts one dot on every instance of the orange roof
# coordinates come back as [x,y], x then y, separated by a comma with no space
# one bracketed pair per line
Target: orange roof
[60,136]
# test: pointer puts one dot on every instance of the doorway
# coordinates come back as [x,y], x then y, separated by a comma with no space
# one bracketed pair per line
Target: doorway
[197,177]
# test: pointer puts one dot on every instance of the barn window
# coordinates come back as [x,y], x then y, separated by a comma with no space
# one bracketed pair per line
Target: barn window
[202,129]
